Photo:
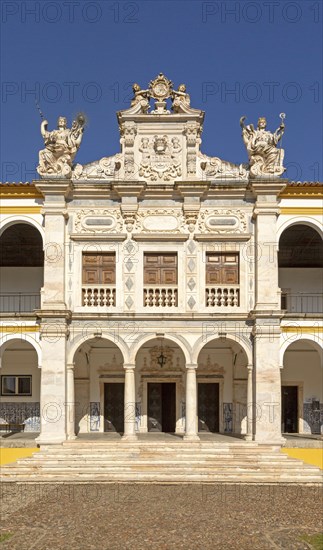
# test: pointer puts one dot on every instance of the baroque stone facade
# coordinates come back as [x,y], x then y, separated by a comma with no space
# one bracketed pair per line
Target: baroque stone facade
[159,289]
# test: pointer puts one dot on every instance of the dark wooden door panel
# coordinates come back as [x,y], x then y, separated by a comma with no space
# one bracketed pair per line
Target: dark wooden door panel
[168,407]
[168,276]
[114,407]
[230,275]
[208,407]
[289,409]
[154,407]
[222,269]
[162,407]
[91,276]
[108,276]
[151,276]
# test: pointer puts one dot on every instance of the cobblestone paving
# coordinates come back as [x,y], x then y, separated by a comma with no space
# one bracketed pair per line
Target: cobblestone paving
[159,516]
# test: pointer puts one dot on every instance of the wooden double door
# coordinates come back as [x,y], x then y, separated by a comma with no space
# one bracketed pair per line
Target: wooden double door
[161,407]
[114,407]
[208,407]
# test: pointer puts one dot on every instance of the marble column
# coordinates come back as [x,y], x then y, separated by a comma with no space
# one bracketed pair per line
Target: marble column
[191,403]
[129,403]
[249,405]
[70,402]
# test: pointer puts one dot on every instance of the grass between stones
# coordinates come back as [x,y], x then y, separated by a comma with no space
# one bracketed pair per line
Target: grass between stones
[316,541]
[5,536]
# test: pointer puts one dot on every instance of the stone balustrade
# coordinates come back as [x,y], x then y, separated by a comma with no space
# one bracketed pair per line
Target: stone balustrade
[98,295]
[222,296]
[160,296]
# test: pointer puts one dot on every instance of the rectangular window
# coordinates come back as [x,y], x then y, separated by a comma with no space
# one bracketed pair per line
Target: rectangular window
[160,279]
[98,279]
[15,385]
[222,268]
[222,279]
[99,269]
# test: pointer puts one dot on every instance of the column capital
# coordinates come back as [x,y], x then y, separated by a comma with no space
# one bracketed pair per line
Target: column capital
[191,366]
[70,366]
[129,366]
[249,367]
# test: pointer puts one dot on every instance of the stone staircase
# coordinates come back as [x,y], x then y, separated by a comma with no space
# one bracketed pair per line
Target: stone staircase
[161,461]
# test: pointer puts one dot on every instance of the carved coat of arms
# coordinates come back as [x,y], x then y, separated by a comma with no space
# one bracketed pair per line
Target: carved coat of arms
[161,159]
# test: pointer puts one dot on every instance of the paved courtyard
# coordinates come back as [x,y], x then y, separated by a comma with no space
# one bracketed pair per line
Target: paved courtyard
[159,516]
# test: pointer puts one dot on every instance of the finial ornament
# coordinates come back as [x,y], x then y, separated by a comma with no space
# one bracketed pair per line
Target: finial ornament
[265,158]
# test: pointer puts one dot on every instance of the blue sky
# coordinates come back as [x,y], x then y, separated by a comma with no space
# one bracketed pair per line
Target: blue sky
[248,58]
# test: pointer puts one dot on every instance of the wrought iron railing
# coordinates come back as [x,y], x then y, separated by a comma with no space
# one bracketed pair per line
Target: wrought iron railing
[19,302]
[302,302]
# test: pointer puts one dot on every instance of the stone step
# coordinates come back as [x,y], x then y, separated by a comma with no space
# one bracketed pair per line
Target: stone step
[162,477]
[140,466]
[133,455]
[160,460]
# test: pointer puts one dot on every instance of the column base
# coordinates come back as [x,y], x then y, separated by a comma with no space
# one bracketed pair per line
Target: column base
[129,437]
[248,437]
[191,437]
[49,440]
[277,441]
[71,437]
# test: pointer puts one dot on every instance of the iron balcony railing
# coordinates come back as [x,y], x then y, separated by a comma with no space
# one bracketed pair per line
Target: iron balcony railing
[302,302]
[19,302]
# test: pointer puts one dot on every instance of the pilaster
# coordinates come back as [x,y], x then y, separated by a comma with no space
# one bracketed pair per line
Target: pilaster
[53,397]
[55,215]
[265,215]
[267,382]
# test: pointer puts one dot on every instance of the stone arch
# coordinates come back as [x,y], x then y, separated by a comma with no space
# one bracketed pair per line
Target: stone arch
[18,219]
[7,340]
[301,381]
[179,340]
[21,405]
[313,339]
[298,220]
[201,343]
[81,340]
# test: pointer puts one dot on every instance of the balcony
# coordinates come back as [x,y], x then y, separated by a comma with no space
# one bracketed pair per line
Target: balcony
[156,296]
[301,302]
[222,296]
[19,302]
[98,296]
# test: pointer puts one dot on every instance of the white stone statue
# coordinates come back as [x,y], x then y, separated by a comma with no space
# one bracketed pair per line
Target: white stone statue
[264,156]
[181,99]
[61,146]
[140,97]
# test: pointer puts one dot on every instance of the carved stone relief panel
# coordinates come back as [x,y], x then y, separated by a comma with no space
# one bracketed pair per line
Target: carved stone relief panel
[160,158]
[159,220]
[222,221]
[98,221]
